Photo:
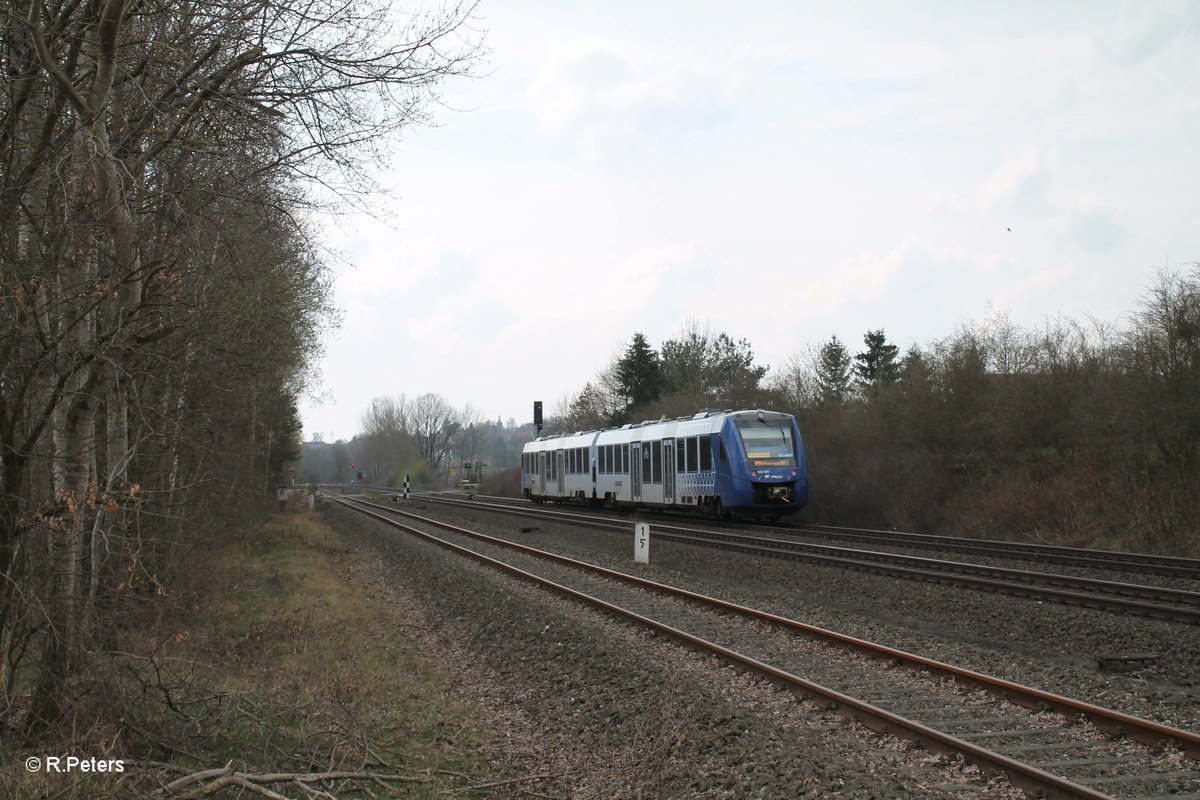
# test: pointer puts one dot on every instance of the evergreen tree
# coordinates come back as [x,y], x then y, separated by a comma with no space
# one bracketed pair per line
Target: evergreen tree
[702,369]
[833,373]
[638,374]
[877,366]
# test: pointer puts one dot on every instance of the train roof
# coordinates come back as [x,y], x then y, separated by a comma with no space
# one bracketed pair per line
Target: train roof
[702,422]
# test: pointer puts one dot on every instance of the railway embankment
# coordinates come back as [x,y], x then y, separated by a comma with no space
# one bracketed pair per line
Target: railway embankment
[279,664]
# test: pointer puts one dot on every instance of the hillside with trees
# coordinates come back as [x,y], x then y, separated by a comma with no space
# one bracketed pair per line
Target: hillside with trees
[1081,432]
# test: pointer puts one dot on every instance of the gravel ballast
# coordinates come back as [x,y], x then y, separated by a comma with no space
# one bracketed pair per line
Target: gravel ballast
[581,705]
[1045,645]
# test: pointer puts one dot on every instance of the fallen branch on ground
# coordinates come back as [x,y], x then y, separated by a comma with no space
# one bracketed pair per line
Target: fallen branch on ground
[216,779]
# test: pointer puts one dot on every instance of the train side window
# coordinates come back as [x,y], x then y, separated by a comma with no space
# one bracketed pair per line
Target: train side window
[706,453]
[723,455]
[624,459]
[656,463]
[646,462]
[681,461]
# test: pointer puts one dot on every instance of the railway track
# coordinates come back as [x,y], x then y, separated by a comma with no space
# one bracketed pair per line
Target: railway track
[1046,743]
[1179,605]
[1144,563]
[1111,560]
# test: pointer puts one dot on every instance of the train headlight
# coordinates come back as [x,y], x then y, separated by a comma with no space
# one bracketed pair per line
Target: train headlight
[753,473]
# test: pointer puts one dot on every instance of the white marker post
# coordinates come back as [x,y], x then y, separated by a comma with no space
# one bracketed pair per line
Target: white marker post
[641,542]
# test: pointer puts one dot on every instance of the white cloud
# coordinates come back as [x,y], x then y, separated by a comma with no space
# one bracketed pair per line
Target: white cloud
[607,93]
[1019,185]
[783,171]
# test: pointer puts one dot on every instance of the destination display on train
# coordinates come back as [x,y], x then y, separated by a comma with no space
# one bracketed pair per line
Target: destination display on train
[769,459]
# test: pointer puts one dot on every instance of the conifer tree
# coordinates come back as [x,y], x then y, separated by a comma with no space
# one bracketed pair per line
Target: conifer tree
[639,374]
[833,373]
[877,366]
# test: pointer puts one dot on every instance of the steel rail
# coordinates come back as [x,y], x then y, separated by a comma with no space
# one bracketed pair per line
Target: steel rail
[1024,775]
[1150,563]
[1173,566]
[1137,728]
[1064,589]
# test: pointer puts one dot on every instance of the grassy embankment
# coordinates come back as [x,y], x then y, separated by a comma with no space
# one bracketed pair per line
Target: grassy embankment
[280,654]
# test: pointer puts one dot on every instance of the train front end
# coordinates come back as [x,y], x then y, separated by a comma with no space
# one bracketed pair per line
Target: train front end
[768,475]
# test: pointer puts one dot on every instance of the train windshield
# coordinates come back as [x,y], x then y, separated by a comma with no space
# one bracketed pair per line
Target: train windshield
[769,443]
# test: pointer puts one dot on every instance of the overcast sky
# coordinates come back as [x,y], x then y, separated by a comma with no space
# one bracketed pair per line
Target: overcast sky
[779,171]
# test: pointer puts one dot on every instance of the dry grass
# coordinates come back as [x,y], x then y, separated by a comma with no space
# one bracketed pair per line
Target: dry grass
[285,658]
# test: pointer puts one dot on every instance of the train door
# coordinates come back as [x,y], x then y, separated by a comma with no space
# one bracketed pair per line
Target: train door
[541,473]
[668,470]
[635,471]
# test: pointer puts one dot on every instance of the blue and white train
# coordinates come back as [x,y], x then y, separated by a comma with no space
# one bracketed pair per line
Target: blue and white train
[722,463]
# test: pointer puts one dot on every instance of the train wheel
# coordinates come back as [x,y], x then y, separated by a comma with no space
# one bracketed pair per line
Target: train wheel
[718,511]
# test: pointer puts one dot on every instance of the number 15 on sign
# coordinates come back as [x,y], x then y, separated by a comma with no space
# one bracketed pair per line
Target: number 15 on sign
[641,542]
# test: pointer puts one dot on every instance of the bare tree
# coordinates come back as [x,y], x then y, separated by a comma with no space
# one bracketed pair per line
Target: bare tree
[160,296]
[796,381]
[388,445]
[434,423]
